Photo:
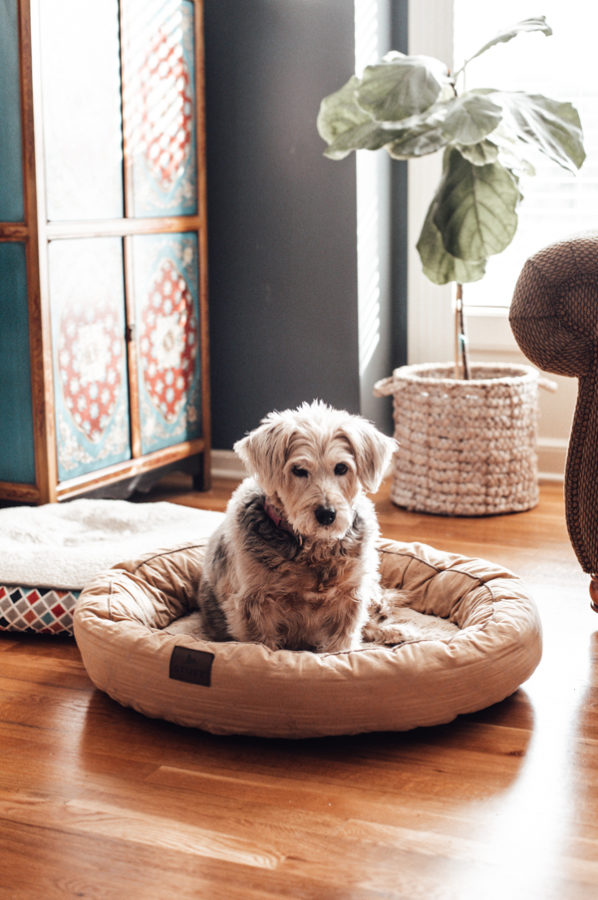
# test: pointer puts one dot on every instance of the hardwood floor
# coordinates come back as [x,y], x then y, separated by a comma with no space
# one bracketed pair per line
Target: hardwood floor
[97,801]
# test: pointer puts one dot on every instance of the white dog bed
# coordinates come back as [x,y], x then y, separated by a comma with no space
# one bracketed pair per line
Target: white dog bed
[141,644]
[48,553]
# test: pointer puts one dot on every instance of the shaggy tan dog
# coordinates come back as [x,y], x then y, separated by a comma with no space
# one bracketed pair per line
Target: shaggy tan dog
[294,565]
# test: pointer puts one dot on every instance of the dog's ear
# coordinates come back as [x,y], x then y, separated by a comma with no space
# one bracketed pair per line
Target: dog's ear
[372,451]
[264,451]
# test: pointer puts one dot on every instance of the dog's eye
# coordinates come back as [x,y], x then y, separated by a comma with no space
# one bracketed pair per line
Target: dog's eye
[299,472]
[341,469]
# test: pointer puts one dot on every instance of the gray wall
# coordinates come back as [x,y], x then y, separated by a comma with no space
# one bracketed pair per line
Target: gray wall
[282,218]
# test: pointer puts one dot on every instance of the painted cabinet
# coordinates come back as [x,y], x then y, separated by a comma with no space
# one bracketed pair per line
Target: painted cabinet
[103,281]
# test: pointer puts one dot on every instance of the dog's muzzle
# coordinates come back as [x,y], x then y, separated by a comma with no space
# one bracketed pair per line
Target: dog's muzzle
[325,515]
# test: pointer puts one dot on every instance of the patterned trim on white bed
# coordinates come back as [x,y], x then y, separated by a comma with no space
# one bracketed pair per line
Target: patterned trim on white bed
[36,610]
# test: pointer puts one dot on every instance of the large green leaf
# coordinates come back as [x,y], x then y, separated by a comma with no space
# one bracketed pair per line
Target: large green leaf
[367,136]
[401,86]
[419,140]
[438,265]
[512,153]
[538,23]
[470,118]
[479,154]
[550,126]
[475,207]
[464,120]
[345,126]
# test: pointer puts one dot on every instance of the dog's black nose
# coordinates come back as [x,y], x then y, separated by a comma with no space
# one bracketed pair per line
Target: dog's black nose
[325,515]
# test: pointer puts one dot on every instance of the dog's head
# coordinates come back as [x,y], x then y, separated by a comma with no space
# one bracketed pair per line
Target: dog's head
[313,462]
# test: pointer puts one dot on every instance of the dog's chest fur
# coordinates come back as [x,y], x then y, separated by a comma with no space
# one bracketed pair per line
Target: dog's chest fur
[278,551]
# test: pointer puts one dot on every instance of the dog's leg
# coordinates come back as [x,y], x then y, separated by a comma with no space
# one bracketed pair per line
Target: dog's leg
[212,617]
[392,622]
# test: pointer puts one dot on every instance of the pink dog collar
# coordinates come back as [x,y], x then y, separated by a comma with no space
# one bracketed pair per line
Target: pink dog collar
[280,521]
[272,514]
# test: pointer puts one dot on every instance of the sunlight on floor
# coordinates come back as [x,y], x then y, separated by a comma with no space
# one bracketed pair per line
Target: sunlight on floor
[527,829]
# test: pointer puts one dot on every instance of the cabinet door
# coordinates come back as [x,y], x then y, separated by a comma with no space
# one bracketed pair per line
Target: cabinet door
[81,94]
[159,103]
[89,355]
[165,285]
[12,207]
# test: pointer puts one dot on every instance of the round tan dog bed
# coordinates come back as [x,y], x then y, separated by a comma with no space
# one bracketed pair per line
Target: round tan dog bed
[139,640]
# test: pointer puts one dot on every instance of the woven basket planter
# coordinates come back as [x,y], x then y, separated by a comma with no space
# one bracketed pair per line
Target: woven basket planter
[466,448]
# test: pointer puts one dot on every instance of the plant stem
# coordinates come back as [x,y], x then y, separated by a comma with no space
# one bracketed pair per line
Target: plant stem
[461,355]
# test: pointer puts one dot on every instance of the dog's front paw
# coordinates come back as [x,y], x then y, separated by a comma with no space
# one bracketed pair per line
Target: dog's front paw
[392,621]
[390,634]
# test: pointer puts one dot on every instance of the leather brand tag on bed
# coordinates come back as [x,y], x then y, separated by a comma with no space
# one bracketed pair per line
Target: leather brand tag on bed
[193,666]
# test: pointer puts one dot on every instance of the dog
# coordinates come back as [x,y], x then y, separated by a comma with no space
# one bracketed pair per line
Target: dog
[294,564]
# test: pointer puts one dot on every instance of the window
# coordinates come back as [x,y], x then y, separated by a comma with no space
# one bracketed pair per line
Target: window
[556,203]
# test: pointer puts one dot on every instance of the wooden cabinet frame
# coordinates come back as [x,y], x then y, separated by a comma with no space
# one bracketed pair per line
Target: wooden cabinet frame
[36,232]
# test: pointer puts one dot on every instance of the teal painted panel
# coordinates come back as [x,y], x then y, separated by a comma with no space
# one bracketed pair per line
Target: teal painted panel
[166,279]
[17,461]
[11,182]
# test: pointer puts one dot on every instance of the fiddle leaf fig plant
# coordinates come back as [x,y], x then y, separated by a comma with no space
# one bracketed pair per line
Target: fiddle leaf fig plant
[413,106]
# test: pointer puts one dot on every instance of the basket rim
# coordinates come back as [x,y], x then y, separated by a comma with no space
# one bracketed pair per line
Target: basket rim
[510,373]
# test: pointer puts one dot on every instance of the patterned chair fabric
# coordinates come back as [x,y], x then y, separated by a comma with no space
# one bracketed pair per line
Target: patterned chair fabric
[554,317]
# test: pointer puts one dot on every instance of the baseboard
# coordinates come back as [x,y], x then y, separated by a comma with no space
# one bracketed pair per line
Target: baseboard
[226,464]
[552,456]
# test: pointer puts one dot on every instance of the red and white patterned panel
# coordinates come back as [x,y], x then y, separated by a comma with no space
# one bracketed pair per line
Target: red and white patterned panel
[165,110]
[89,354]
[89,361]
[159,105]
[169,340]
